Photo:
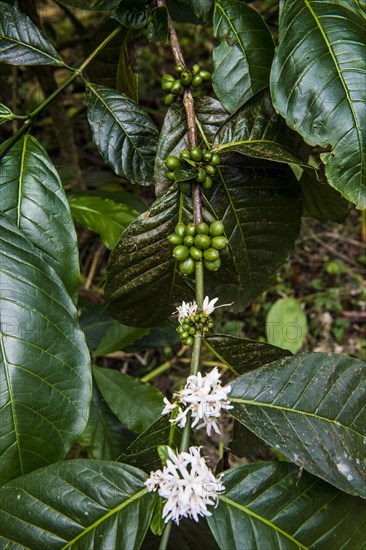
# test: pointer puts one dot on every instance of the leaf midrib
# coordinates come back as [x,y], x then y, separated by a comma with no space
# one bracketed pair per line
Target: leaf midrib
[30,46]
[297,411]
[234,144]
[242,47]
[110,513]
[335,61]
[12,402]
[249,512]
[143,159]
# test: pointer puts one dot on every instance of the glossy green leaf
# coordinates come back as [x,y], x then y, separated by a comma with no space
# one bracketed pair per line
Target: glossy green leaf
[143,285]
[101,215]
[45,365]
[242,60]
[245,443]
[257,131]
[157,28]
[242,355]
[185,174]
[21,41]
[136,404]
[318,86]
[320,200]
[265,503]
[143,451]
[113,66]
[260,206]
[34,199]
[104,436]
[203,9]
[311,409]
[119,337]
[124,134]
[174,137]
[95,321]
[286,325]
[132,14]
[93,5]
[76,504]
[5,114]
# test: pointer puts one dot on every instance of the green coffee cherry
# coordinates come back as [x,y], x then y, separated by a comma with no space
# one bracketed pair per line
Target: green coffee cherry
[172,162]
[210,170]
[186,78]
[188,240]
[185,155]
[166,86]
[187,267]
[217,228]
[205,75]
[190,229]
[167,78]
[179,68]
[201,175]
[207,156]
[180,229]
[219,243]
[189,341]
[175,239]
[192,331]
[181,252]
[202,228]
[207,184]
[169,99]
[202,241]
[212,266]
[195,253]
[211,254]
[196,69]
[196,81]
[184,335]
[196,154]
[177,87]
[216,159]
[170,175]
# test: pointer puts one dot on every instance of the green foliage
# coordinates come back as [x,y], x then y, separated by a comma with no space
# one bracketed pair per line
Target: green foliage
[327,69]
[135,403]
[34,199]
[104,216]
[242,60]
[44,360]
[21,42]
[242,355]
[324,391]
[206,201]
[286,325]
[297,513]
[127,138]
[101,499]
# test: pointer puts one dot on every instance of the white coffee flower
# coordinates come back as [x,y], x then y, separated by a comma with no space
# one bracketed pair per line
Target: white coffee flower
[186,310]
[204,398]
[208,305]
[187,484]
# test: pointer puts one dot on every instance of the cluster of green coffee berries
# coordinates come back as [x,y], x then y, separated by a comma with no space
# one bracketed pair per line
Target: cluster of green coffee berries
[191,325]
[174,87]
[200,242]
[205,161]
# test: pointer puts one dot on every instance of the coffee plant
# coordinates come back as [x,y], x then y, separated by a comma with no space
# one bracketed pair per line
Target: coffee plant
[274,131]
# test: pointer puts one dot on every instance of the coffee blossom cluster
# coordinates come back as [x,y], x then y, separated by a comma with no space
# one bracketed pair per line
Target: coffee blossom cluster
[204,398]
[187,484]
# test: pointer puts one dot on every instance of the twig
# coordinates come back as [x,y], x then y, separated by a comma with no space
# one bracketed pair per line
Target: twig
[93,267]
